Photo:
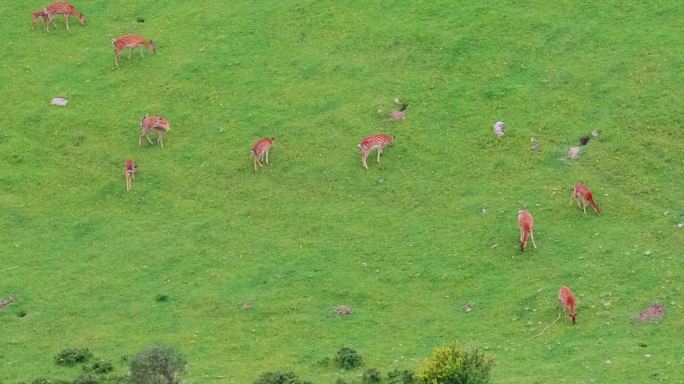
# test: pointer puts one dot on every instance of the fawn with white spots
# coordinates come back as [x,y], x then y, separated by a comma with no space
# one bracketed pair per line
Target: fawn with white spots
[129,173]
[525,222]
[369,143]
[584,197]
[567,300]
[65,9]
[153,123]
[260,151]
[131,42]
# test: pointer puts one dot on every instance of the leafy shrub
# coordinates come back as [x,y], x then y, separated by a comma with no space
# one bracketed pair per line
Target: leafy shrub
[43,380]
[279,378]
[456,365]
[340,381]
[101,366]
[401,377]
[347,358]
[371,376]
[157,364]
[72,356]
[86,379]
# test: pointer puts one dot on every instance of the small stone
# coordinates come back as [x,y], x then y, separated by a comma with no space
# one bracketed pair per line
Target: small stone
[574,152]
[680,225]
[221,130]
[648,355]
[468,307]
[499,128]
[484,211]
[381,181]
[609,361]
[60,101]
[495,245]
[648,253]
[545,81]
[595,133]
[343,310]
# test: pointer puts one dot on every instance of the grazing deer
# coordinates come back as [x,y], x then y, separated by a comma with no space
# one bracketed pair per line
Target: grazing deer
[129,172]
[153,123]
[40,15]
[65,9]
[131,42]
[260,151]
[582,194]
[567,300]
[525,223]
[369,143]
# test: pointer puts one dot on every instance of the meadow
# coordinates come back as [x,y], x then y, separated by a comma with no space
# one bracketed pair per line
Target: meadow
[314,230]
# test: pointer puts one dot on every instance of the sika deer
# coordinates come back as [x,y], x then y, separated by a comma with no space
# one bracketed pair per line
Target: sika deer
[582,194]
[131,42]
[525,222]
[153,123]
[129,172]
[260,151]
[369,143]
[65,9]
[567,300]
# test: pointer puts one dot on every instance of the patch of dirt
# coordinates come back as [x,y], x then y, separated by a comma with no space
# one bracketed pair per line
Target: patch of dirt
[654,312]
[343,310]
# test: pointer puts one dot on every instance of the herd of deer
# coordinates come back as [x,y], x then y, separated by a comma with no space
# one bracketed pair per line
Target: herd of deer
[581,194]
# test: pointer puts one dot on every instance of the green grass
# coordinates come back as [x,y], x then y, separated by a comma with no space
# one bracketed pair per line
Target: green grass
[314,230]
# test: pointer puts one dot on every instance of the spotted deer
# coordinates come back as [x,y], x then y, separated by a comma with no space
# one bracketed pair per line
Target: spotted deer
[567,300]
[583,196]
[525,222]
[131,42]
[153,123]
[129,172]
[260,151]
[65,9]
[369,143]
[40,15]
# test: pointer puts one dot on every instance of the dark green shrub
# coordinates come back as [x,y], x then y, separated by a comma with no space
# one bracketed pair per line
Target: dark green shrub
[401,377]
[279,378]
[73,356]
[347,358]
[340,381]
[162,298]
[456,365]
[371,376]
[101,366]
[158,364]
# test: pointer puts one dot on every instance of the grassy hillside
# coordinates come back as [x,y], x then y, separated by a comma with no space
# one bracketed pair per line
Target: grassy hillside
[314,230]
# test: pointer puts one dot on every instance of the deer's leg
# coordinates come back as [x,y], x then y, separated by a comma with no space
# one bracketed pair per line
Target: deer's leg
[532,236]
[130,50]
[66,21]
[141,52]
[266,154]
[160,140]
[116,58]
[584,207]
[364,157]
[572,197]
[379,153]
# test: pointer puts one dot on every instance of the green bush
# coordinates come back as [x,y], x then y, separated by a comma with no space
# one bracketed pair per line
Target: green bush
[401,377]
[43,380]
[73,356]
[158,364]
[101,366]
[279,378]
[456,365]
[347,358]
[371,376]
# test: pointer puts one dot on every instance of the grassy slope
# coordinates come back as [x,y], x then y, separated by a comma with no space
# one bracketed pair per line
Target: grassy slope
[314,230]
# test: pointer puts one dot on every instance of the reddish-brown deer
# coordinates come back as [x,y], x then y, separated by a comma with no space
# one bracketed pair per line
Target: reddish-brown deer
[129,173]
[584,197]
[260,151]
[369,143]
[131,42]
[567,300]
[40,15]
[525,222]
[153,123]
[65,9]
